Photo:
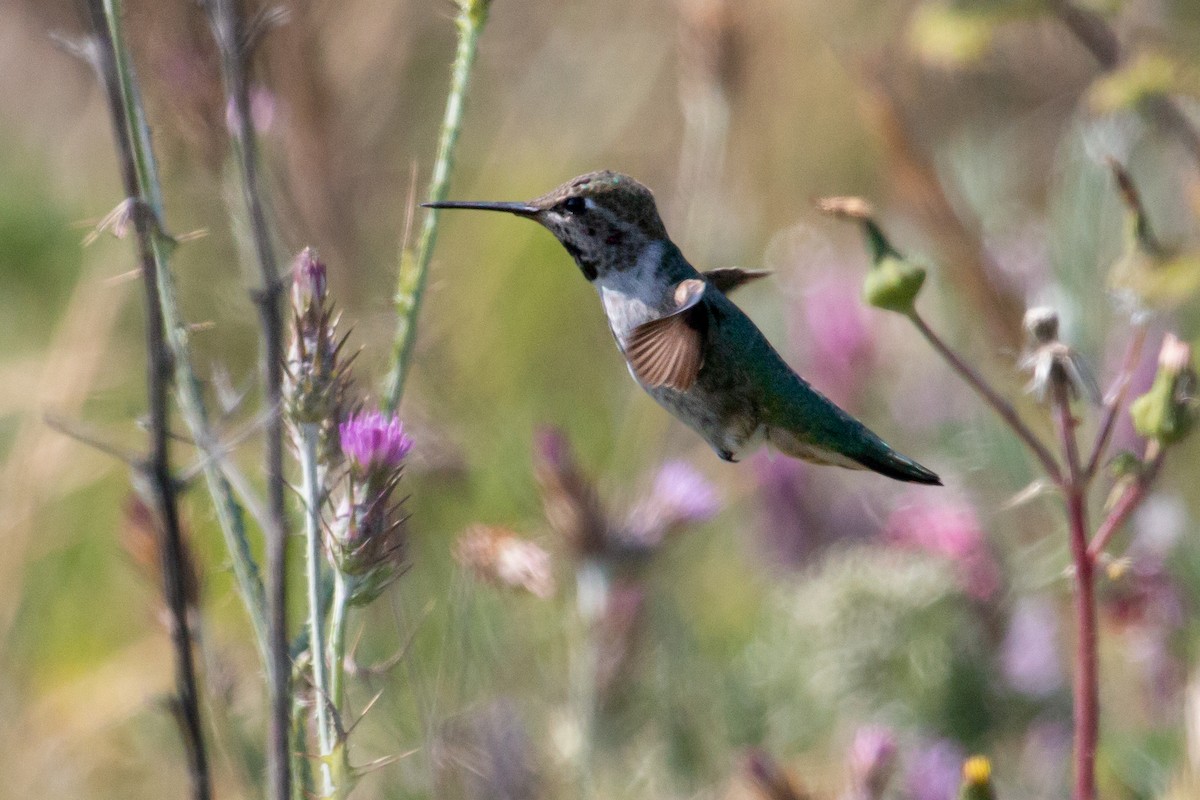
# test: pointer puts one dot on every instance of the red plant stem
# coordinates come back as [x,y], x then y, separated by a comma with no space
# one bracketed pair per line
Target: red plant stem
[1087,682]
[1001,406]
[1116,399]
[1129,500]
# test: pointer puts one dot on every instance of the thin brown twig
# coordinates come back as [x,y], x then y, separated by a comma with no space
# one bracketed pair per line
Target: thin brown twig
[234,41]
[1001,406]
[155,472]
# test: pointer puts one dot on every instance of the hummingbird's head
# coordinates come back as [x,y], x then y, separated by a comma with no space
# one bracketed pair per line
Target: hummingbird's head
[603,219]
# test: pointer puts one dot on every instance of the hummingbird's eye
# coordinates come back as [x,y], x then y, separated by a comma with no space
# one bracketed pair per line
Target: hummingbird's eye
[574,205]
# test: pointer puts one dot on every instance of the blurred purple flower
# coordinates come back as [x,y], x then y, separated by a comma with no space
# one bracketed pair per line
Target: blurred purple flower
[950,529]
[871,758]
[934,771]
[1146,602]
[680,496]
[686,496]
[799,517]
[373,441]
[835,331]
[1029,655]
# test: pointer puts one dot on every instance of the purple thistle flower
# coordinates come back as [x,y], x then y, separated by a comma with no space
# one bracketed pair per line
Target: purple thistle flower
[373,441]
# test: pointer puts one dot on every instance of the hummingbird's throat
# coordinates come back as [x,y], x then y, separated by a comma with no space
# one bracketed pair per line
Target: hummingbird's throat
[586,265]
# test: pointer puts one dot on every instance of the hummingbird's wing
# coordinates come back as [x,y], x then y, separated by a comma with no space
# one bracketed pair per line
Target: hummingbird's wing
[726,279]
[669,351]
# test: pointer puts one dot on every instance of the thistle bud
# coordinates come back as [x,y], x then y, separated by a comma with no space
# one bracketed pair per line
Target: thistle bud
[893,282]
[317,373]
[977,780]
[1168,411]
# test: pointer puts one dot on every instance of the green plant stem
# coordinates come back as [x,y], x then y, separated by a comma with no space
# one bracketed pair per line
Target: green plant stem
[230,515]
[338,611]
[414,268]
[234,41]
[1086,689]
[1001,406]
[313,498]
[592,595]
[155,471]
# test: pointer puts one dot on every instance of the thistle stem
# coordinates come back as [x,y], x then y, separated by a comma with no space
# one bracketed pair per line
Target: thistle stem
[338,612]
[1086,680]
[229,512]
[414,268]
[314,500]
[1001,406]
[230,32]
[156,470]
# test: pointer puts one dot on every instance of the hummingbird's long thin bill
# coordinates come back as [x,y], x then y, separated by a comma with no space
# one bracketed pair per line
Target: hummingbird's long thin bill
[520,209]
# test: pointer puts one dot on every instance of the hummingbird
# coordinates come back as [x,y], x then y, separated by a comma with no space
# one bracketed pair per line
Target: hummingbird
[685,342]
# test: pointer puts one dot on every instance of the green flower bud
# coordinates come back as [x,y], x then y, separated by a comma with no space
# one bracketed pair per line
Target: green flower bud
[1168,411]
[893,282]
[977,780]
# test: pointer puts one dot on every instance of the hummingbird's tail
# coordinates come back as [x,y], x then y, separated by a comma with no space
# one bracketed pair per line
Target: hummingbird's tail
[887,461]
[862,450]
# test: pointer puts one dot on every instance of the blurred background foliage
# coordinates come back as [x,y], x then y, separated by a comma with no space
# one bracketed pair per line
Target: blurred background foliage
[817,601]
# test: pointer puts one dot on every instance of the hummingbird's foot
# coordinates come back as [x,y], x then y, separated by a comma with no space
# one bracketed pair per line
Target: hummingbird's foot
[727,455]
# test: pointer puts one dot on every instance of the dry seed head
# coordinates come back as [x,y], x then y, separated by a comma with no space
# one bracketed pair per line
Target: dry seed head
[497,555]
[1041,323]
[846,207]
